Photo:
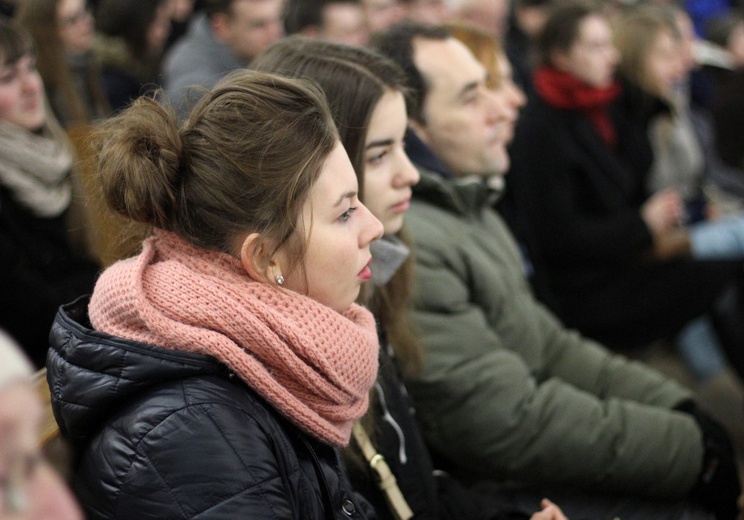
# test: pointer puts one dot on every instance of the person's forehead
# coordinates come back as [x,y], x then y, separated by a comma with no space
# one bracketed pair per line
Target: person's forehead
[66,7]
[257,9]
[447,64]
[593,27]
[334,11]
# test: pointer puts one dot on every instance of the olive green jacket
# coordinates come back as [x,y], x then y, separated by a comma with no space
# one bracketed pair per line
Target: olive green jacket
[507,392]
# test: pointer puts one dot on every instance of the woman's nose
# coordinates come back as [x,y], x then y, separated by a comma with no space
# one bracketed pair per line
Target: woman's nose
[407,174]
[372,229]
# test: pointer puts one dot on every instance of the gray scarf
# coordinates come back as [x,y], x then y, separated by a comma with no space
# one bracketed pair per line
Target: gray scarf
[388,254]
[36,169]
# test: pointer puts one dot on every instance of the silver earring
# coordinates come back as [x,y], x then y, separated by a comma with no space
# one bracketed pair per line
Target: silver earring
[279,279]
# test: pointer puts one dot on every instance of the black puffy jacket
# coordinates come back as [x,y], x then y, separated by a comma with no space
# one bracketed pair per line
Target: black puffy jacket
[161,434]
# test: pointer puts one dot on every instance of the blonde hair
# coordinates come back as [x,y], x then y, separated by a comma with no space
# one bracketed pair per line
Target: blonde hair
[635,34]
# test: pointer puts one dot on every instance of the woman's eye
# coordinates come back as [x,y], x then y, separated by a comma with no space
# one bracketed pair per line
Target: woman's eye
[346,215]
[377,159]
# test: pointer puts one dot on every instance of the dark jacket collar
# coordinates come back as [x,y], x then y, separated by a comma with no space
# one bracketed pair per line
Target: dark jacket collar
[463,196]
[423,156]
[82,359]
[439,186]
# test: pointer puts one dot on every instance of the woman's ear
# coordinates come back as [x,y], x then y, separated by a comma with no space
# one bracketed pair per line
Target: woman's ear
[254,260]
[250,254]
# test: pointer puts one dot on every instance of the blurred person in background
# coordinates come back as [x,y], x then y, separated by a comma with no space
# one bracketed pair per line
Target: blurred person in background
[338,21]
[181,14]
[44,239]
[382,13]
[30,489]
[63,33]
[129,44]
[225,36]
[490,15]
[433,12]
[507,392]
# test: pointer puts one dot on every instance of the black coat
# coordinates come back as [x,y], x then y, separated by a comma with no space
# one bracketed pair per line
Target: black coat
[581,201]
[162,434]
[39,271]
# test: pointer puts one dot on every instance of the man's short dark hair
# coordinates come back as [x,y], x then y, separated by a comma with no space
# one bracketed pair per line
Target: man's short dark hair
[302,14]
[212,7]
[396,42]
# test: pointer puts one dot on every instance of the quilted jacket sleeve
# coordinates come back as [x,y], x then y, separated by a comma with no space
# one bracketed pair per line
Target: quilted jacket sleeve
[189,463]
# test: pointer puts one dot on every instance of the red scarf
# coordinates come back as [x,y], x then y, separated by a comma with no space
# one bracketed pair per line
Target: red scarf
[563,90]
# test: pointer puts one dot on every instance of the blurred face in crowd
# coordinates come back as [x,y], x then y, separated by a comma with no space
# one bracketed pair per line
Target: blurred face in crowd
[512,96]
[180,10]
[388,173]
[250,27]
[433,12]
[465,123]
[339,231]
[21,94]
[160,27]
[592,58]
[29,487]
[344,23]
[664,64]
[488,15]
[75,24]
[736,44]
[380,14]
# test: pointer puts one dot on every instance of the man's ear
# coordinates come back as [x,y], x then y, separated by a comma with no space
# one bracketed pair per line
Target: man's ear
[220,23]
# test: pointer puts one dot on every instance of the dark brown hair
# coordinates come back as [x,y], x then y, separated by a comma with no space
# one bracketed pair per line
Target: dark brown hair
[396,42]
[243,162]
[15,43]
[129,20]
[561,29]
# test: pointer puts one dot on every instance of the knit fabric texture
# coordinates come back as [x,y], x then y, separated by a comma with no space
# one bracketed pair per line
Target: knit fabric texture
[313,364]
[35,167]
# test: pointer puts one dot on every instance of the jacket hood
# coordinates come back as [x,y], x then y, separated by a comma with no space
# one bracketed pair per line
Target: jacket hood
[90,372]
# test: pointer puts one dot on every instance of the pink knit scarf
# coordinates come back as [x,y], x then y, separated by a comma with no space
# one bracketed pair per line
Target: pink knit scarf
[314,365]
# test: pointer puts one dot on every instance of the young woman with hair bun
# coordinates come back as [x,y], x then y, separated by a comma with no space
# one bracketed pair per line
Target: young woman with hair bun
[215,374]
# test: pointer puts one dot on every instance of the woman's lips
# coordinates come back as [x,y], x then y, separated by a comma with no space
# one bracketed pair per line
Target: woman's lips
[402,206]
[366,273]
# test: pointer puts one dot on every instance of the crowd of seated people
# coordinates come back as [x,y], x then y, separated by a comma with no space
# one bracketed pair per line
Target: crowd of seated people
[373,258]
